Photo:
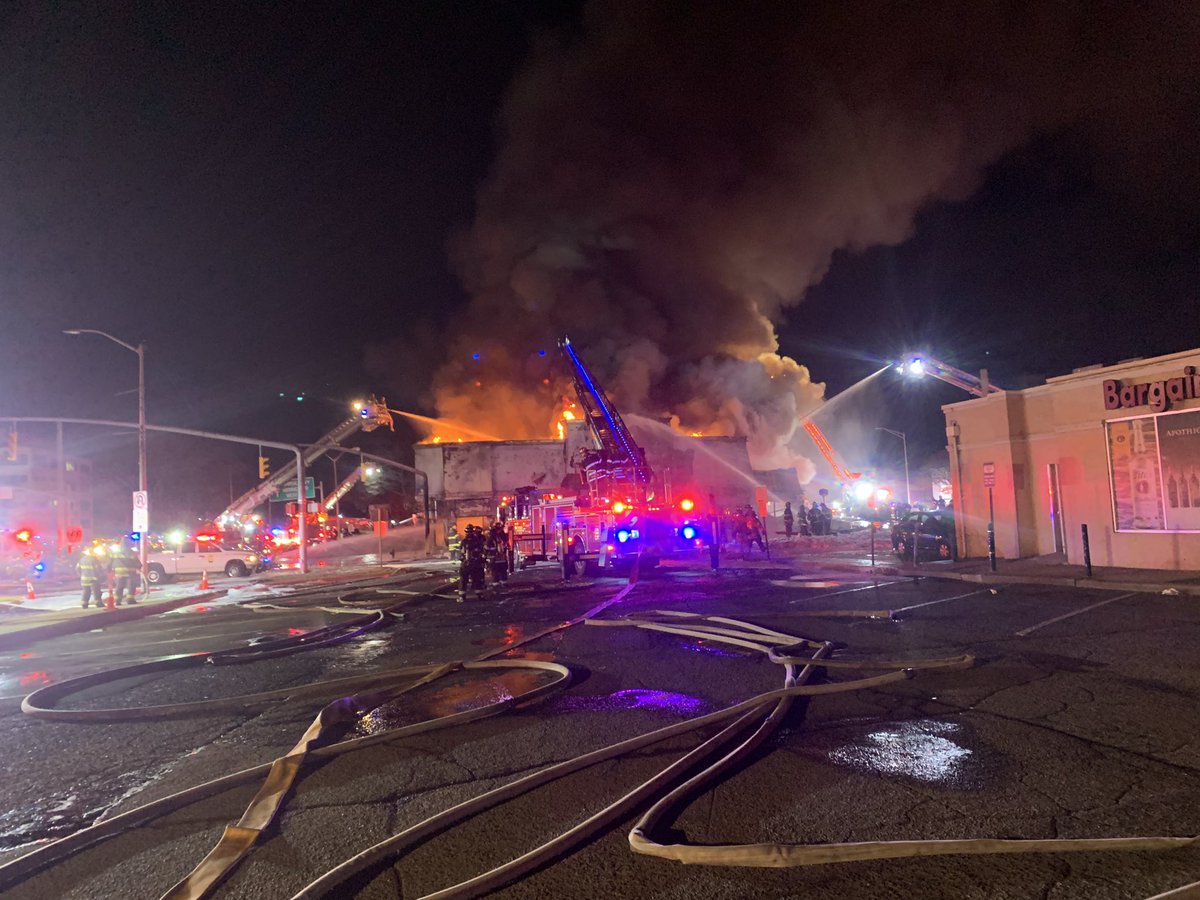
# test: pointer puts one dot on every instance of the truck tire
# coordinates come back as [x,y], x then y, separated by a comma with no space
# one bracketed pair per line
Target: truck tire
[235,568]
[156,574]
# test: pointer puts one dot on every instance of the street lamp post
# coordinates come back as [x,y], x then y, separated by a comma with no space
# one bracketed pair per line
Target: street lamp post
[140,350]
[904,440]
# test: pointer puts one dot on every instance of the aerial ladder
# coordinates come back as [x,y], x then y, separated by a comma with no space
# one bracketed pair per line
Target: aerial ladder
[619,465]
[976,386]
[332,498]
[840,472]
[367,417]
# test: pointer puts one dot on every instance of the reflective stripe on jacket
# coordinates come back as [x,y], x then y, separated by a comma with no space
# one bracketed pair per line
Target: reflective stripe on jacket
[124,566]
[90,570]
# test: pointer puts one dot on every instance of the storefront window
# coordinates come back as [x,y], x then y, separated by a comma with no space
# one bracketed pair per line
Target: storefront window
[1155,472]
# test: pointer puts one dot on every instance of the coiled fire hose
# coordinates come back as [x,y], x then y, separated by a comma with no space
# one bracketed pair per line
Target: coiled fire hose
[766,710]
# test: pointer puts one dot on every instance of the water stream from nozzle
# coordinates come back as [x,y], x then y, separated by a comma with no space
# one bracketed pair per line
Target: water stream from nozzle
[686,440]
[448,424]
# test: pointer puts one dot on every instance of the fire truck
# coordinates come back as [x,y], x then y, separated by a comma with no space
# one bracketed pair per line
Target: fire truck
[620,513]
[22,554]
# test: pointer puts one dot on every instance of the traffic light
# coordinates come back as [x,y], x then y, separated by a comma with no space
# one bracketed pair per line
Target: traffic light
[12,446]
[264,467]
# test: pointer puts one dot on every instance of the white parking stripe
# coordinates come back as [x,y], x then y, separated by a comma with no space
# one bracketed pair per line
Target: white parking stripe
[853,590]
[943,600]
[1032,628]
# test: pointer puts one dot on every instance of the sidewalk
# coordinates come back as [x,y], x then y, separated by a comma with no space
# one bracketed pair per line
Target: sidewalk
[1047,570]
[22,625]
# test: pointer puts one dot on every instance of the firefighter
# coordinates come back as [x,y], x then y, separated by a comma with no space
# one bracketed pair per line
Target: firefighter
[454,542]
[92,572]
[714,533]
[815,519]
[789,519]
[497,551]
[471,569]
[125,568]
[826,519]
[754,531]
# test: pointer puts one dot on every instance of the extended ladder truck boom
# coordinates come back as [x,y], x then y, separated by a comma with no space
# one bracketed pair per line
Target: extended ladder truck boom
[840,472]
[620,462]
[368,417]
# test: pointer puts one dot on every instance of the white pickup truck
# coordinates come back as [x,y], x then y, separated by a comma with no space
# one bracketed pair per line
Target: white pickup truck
[192,558]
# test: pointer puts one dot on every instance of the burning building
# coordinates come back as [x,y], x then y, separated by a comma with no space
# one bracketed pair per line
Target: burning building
[467,479]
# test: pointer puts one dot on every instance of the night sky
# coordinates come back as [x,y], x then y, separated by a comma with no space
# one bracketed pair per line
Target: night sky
[266,195]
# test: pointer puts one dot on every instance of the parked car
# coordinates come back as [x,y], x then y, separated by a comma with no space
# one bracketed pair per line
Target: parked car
[934,531]
[194,558]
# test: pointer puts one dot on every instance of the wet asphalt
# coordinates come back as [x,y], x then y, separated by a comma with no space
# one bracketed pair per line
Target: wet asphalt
[1083,727]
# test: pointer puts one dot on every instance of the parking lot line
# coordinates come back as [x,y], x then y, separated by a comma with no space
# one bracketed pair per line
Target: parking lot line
[943,600]
[853,590]
[1032,628]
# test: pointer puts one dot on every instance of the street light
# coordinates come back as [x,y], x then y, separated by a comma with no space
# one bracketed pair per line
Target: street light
[907,488]
[140,350]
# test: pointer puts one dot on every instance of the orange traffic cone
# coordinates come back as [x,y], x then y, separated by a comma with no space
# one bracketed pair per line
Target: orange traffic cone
[110,602]
[30,594]
[204,581]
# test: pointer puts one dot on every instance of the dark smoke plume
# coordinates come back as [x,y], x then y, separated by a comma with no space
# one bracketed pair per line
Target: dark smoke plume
[675,175]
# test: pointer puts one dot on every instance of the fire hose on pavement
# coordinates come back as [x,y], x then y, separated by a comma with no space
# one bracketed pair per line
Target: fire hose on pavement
[665,791]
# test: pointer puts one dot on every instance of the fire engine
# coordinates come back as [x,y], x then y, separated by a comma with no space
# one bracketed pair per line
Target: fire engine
[620,512]
[21,554]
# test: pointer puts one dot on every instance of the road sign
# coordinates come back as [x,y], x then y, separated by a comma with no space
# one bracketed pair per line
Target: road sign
[989,475]
[141,512]
[288,491]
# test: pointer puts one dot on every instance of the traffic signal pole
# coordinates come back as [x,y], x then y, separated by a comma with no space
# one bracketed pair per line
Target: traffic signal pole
[302,531]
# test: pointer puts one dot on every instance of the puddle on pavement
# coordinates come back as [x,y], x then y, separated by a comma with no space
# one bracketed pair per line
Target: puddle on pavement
[448,699]
[931,751]
[636,698]
[59,815]
[20,683]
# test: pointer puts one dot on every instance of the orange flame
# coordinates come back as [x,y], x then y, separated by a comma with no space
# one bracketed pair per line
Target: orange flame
[568,415]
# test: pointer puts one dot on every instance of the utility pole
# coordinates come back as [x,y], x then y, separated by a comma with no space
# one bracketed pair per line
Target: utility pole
[337,502]
[140,350]
[63,508]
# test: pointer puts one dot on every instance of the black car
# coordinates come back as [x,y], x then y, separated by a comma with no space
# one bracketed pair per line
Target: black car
[935,535]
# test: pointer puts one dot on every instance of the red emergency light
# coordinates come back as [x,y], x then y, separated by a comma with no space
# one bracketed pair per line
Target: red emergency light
[206,537]
[687,504]
[24,535]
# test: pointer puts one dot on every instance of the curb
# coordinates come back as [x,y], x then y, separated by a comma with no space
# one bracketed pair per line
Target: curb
[1047,580]
[22,637]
